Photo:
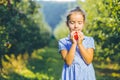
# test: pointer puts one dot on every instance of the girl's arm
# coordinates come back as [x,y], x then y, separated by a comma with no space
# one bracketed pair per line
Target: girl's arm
[87,54]
[68,56]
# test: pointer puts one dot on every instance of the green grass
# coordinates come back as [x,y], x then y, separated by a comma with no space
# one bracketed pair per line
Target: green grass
[50,63]
[46,64]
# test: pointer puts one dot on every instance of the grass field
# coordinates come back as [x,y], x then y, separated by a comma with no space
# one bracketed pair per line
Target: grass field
[46,64]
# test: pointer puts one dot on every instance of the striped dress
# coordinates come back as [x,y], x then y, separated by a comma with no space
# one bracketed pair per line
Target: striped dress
[79,70]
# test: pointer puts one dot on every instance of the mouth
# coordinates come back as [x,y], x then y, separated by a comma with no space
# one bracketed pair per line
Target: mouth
[76,30]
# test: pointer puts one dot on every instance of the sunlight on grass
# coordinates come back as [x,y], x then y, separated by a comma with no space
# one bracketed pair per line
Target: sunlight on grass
[14,64]
[43,77]
[115,74]
[107,70]
[35,55]
[103,65]
[18,65]
[26,73]
[46,64]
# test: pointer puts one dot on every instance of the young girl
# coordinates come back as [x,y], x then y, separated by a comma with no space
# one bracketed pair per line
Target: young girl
[77,49]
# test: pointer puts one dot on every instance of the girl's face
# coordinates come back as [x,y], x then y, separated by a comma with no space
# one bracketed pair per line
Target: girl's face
[75,22]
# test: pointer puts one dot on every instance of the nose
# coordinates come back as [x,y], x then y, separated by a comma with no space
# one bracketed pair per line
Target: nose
[76,25]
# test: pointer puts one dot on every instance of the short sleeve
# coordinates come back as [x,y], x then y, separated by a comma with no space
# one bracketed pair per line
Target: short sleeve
[91,43]
[61,45]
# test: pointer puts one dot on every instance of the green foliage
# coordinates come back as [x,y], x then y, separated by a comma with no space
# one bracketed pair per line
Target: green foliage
[61,30]
[22,27]
[103,23]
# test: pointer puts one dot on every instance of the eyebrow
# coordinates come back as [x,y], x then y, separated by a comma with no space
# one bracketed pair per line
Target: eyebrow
[74,21]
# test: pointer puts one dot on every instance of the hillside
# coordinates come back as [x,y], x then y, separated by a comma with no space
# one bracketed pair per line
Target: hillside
[54,11]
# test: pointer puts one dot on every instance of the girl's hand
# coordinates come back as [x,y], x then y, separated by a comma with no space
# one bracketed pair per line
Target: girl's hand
[72,34]
[80,37]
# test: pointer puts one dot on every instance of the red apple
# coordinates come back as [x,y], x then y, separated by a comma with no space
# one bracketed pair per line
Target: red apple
[76,36]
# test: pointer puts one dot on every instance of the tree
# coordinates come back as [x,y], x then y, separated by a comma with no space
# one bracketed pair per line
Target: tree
[22,27]
[61,30]
[103,23]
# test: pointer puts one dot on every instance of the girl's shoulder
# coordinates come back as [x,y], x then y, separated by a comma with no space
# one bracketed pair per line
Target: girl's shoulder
[88,42]
[88,38]
[65,39]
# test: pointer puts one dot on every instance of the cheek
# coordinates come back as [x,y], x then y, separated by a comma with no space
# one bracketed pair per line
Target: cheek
[71,26]
[81,26]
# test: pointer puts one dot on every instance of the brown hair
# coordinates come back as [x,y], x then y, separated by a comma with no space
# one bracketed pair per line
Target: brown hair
[77,9]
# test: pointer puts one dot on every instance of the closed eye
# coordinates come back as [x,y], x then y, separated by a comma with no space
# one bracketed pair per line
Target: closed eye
[71,22]
[80,22]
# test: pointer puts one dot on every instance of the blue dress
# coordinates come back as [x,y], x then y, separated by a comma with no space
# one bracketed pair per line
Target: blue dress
[79,70]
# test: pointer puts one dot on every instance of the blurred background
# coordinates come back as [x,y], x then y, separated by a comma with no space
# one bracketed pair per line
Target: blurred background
[30,29]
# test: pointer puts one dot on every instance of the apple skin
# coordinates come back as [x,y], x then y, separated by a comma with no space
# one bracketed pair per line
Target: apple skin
[76,36]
